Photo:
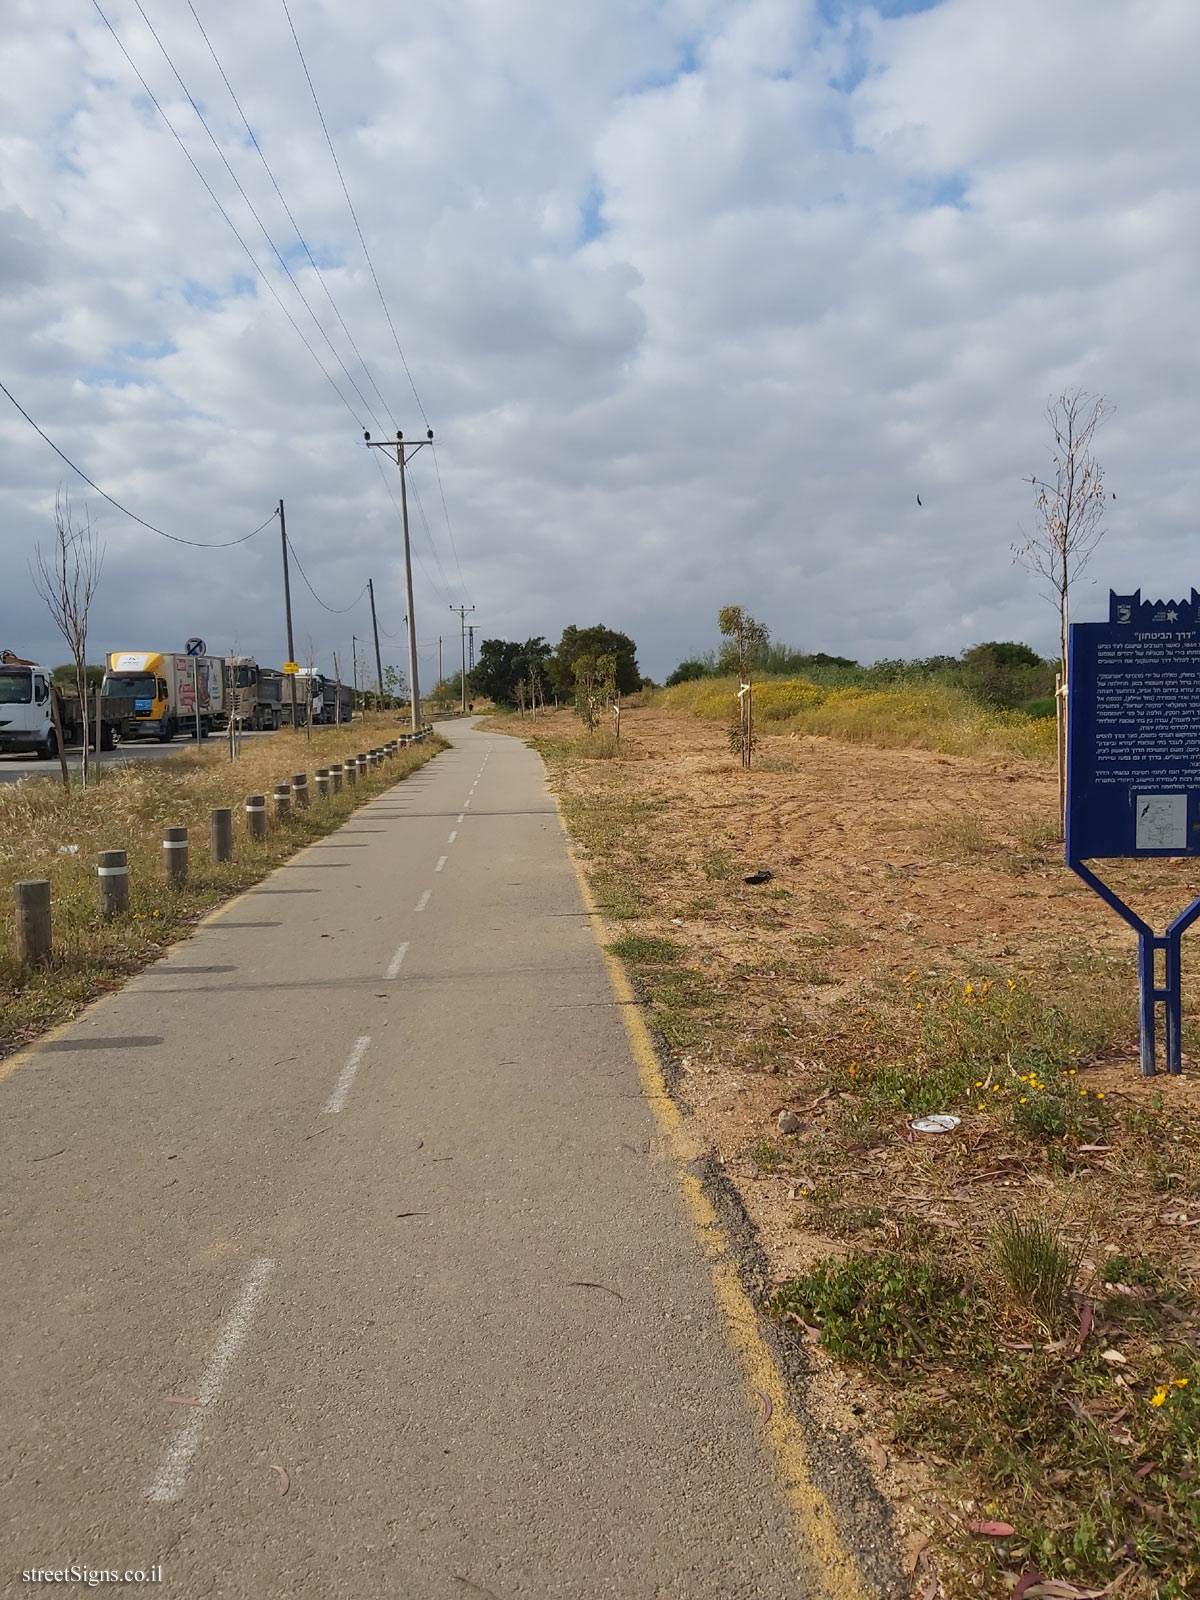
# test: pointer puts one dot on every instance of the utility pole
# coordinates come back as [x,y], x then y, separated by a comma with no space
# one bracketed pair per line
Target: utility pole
[462,614]
[287,601]
[441,675]
[375,630]
[471,646]
[354,674]
[404,454]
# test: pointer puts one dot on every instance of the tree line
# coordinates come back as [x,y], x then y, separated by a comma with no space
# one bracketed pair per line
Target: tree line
[518,674]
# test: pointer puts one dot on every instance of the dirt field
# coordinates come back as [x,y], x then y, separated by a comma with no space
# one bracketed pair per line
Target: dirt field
[919,947]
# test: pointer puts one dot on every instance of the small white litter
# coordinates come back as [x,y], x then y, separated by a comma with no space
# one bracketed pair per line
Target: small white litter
[942,1123]
[68,849]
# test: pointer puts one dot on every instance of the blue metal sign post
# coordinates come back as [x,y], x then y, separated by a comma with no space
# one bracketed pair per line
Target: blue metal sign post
[1133,773]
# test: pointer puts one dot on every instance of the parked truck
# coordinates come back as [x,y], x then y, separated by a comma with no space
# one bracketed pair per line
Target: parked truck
[166,691]
[27,696]
[331,701]
[255,694]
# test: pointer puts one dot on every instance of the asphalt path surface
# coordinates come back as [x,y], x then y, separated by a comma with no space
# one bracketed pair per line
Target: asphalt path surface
[337,1259]
[14,767]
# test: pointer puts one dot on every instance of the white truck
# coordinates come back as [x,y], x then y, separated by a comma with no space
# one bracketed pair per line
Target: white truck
[27,695]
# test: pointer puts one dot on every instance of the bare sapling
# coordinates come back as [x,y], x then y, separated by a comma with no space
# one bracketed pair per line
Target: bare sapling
[1069,510]
[66,578]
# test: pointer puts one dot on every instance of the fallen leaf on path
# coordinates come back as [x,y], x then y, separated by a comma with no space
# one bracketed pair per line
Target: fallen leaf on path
[1114,1358]
[582,1283]
[877,1455]
[991,1530]
[182,1400]
[400,1215]
[285,1483]
[1025,1582]
[768,1407]
[913,1551]
[1147,1469]
[52,1155]
[931,1590]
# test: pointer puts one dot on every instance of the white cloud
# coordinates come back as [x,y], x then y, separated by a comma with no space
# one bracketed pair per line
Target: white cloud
[698,296]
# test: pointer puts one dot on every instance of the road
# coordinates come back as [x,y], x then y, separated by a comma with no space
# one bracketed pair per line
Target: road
[14,767]
[340,1257]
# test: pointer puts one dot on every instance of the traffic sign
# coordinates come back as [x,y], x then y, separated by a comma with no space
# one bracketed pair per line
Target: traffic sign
[195,647]
[291,668]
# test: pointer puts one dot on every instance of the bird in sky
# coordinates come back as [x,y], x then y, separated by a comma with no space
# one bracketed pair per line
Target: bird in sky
[918,499]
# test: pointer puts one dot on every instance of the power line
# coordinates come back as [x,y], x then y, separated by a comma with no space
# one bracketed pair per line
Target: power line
[433,584]
[199,544]
[337,610]
[446,512]
[229,220]
[253,212]
[275,185]
[354,214]
[378,289]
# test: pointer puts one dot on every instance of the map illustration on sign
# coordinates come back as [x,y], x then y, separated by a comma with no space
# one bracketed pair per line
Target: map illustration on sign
[1161,822]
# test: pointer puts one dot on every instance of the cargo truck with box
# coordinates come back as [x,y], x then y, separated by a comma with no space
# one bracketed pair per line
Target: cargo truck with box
[170,693]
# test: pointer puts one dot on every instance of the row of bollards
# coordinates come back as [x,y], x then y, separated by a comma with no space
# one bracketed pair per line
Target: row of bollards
[112,869]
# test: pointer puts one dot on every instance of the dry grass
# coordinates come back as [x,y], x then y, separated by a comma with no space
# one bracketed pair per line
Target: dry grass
[128,810]
[920,947]
[922,717]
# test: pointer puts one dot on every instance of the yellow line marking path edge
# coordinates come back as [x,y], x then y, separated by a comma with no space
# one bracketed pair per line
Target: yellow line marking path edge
[837,1570]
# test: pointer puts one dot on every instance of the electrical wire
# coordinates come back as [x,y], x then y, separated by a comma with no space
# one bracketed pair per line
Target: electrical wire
[199,544]
[445,593]
[229,220]
[337,610]
[291,218]
[191,100]
[354,214]
[437,467]
[379,291]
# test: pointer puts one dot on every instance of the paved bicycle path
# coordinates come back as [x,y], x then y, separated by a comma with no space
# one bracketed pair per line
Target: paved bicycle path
[361,1168]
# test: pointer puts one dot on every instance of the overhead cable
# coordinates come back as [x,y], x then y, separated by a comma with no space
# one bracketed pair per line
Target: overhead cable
[229,220]
[338,610]
[354,214]
[199,544]
[253,212]
[303,243]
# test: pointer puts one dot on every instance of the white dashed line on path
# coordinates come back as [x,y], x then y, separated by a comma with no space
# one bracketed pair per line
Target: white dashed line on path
[425,899]
[170,1480]
[397,960]
[460,816]
[453,836]
[441,862]
[348,1074]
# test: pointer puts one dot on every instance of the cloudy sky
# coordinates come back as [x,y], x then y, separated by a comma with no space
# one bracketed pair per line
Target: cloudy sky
[697,295]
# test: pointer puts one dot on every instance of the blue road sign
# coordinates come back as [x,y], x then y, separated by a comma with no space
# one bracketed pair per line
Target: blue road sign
[195,647]
[1133,770]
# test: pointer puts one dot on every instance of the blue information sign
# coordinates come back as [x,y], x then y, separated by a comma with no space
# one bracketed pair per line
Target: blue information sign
[1133,730]
[1133,772]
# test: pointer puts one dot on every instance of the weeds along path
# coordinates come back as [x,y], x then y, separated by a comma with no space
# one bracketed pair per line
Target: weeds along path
[1012,1305]
[53,833]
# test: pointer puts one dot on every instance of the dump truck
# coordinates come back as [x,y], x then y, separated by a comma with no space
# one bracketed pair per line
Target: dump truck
[27,695]
[331,701]
[167,691]
[255,694]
